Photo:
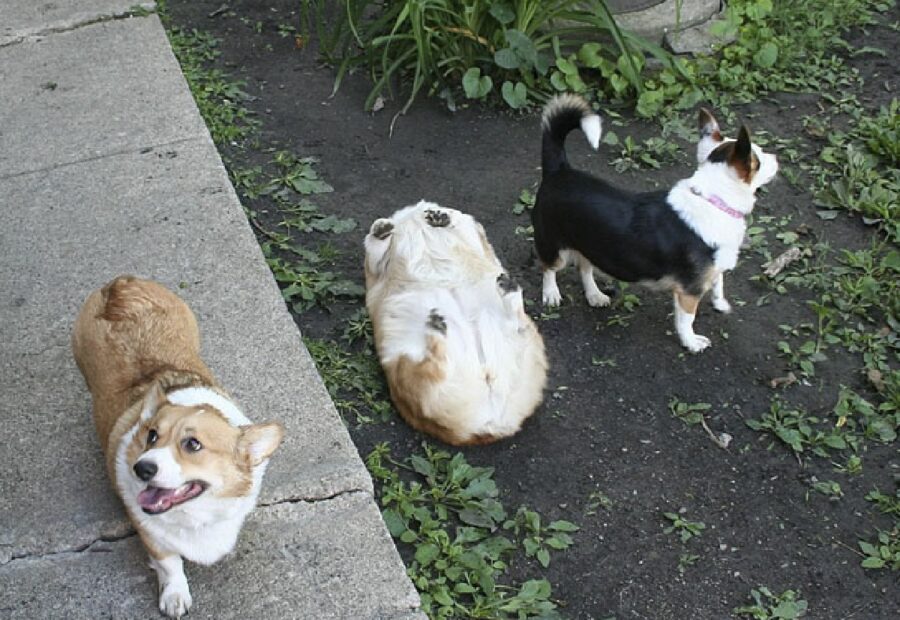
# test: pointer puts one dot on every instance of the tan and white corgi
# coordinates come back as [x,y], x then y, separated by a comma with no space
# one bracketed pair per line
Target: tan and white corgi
[184,459]
[463,361]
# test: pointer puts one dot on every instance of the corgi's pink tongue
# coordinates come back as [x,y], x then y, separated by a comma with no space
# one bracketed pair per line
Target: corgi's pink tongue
[154,500]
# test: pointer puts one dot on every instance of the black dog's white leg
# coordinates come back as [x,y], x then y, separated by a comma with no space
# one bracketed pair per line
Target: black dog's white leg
[718,295]
[595,297]
[685,311]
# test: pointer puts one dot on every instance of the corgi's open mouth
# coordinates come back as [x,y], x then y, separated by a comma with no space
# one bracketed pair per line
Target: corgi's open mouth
[156,500]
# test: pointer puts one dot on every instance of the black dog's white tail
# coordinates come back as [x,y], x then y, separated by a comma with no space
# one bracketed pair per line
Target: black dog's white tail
[561,115]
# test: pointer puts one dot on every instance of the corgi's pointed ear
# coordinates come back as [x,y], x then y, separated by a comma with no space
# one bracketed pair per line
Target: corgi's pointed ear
[153,400]
[259,441]
[708,125]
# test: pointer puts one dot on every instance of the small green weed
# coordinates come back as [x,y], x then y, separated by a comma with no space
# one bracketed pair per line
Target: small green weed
[685,561]
[768,606]
[448,514]
[598,500]
[829,488]
[883,551]
[689,413]
[685,529]
[525,202]
[538,540]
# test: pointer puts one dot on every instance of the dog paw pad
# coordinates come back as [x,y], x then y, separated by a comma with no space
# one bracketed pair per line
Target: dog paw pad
[381,229]
[436,321]
[438,219]
[507,284]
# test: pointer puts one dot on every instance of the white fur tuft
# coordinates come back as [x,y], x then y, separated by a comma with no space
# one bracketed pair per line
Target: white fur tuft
[592,127]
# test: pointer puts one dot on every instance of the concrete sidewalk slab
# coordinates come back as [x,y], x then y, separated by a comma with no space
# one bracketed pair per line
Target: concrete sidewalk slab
[312,571]
[112,171]
[20,19]
[111,87]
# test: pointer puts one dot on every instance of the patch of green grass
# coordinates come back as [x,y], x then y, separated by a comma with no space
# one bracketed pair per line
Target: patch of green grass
[684,528]
[887,504]
[518,53]
[448,515]
[219,97]
[768,606]
[799,430]
[651,153]
[353,379]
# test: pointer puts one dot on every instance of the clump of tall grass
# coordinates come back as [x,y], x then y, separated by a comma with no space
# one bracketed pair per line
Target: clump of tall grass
[520,51]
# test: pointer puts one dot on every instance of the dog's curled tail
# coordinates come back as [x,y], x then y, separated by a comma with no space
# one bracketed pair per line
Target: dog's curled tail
[127,297]
[562,114]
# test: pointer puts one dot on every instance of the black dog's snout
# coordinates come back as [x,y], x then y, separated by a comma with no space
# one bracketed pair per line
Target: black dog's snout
[145,470]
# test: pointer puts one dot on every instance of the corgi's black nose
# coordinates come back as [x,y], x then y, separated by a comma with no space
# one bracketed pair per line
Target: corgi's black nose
[145,470]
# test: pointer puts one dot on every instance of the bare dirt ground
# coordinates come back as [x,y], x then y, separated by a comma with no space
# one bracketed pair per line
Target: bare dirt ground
[605,426]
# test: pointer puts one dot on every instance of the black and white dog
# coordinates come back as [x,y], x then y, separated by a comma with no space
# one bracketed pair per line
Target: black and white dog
[682,239]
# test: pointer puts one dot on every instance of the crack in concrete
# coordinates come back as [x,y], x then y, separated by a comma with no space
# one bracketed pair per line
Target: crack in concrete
[313,500]
[114,538]
[140,9]
[130,151]
[78,549]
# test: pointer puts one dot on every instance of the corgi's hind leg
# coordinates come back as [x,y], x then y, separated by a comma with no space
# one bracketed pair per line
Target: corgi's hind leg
[595,297]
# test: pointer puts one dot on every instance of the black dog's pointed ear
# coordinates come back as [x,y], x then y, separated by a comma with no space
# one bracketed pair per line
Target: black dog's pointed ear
[741,158]
[742,148]
[708,125]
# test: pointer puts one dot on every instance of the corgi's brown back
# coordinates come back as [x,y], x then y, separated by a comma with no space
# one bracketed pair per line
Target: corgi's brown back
[128,334]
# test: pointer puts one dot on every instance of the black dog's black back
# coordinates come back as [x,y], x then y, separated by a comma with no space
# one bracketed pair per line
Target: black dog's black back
[632,237]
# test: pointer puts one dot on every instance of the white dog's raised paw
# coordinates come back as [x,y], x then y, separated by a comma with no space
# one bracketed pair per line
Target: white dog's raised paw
[722,305]
[175,600]
[382,228]
[695,343]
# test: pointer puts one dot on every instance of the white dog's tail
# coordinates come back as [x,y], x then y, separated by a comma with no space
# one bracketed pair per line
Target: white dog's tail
[561,115]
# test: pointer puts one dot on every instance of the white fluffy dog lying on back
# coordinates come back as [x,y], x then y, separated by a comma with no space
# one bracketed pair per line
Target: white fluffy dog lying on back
[463,361]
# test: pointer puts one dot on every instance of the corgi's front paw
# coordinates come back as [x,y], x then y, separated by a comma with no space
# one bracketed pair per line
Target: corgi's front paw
[695,342]
[175,599]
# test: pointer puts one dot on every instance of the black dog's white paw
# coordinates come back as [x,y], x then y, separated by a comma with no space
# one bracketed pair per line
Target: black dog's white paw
[436,321]
[381,229]
[507,284]
[438,219]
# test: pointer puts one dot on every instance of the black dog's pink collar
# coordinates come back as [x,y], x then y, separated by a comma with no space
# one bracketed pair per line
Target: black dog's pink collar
[719,204]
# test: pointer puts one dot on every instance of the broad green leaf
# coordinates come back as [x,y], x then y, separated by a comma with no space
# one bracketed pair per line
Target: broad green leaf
[767,55]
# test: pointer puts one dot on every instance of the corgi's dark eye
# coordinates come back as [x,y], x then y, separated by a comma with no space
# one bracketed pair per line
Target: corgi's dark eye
[192,445]
[152,436]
